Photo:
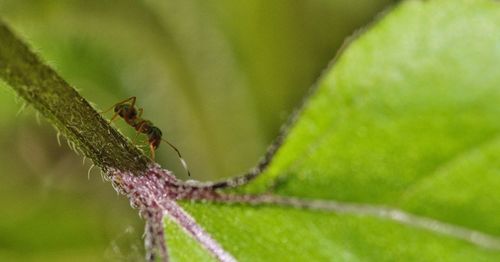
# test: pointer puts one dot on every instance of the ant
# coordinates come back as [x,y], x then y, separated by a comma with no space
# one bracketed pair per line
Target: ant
[126,109]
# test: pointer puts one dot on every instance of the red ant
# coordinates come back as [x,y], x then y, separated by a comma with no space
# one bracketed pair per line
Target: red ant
[132,116]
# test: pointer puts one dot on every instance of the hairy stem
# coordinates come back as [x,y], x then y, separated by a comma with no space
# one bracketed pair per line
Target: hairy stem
[66,109]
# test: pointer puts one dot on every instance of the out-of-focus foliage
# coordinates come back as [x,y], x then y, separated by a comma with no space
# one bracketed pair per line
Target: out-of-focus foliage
[408,117]
[219,78]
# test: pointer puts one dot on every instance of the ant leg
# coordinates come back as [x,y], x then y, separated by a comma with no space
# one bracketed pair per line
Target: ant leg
[141,125]
[152,152]
[132,99]
[139,112]
[139,130]
[113,118]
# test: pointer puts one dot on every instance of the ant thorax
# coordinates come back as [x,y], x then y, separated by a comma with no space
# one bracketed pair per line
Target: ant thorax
[142,126]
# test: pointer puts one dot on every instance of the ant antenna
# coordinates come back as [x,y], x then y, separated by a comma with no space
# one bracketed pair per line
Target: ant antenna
[130,99]
[184,164]
[107,110]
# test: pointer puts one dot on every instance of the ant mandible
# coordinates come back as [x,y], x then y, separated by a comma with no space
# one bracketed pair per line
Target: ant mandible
[126,109]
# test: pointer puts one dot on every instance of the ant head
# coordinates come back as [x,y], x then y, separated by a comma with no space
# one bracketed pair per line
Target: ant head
[125,110]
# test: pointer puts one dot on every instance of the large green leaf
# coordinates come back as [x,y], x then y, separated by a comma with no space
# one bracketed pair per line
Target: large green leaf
[407,118]
[206,72]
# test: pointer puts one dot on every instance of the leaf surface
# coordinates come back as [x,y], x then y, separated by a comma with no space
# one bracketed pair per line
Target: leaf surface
[407,117]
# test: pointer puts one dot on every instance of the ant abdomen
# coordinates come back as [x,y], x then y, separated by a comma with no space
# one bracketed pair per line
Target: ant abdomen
[154,136]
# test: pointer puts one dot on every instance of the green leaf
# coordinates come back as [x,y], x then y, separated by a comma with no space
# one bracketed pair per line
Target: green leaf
[406,118]
[187,62]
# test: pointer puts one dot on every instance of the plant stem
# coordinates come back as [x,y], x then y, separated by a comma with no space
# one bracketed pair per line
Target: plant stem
[66,109]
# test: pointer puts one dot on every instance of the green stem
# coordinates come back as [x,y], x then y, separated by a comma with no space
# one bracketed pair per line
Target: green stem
[66,109]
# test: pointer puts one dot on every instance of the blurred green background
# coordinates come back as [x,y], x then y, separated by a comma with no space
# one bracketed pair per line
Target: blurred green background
[218,77]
